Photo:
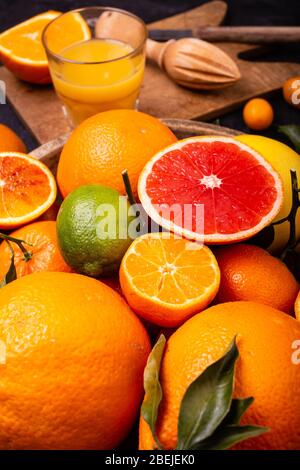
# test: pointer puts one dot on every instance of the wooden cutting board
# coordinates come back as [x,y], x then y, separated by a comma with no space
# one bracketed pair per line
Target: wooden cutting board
[41,112]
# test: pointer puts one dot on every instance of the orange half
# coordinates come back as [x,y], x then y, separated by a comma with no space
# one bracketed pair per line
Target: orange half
[167,279]
[27,189]
[22,50]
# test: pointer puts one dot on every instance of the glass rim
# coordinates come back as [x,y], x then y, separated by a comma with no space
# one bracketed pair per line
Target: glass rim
[103,9]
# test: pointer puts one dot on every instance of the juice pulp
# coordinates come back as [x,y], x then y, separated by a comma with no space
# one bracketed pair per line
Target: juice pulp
[87,88]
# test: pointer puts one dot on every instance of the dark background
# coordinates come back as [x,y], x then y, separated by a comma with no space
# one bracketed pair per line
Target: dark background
[241,12]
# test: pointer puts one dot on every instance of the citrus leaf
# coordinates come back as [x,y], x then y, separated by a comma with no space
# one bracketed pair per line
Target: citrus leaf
[292,131]
[11,274]
[207,401]
[226,437]
[238,407]
[153,390]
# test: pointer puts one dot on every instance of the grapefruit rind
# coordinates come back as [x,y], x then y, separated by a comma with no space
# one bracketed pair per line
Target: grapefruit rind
[14,222]
[215,238]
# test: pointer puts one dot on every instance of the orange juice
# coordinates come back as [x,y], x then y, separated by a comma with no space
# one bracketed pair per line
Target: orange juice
[101,74]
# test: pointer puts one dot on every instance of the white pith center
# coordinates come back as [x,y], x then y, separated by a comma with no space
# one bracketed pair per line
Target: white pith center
[211,181]
[167,268]
[2,183]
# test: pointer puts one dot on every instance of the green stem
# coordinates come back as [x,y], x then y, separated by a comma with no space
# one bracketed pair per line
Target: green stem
[27,254]
[128,188]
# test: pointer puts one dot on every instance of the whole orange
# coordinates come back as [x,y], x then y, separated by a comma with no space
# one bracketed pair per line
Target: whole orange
[72,360]
[264,370]
[251,273]
[291,91]
[44,254]
[106,144]
[258,114]
[9,141]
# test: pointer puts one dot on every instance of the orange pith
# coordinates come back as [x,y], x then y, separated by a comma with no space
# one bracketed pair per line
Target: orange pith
[264,370]
[27,189]
[166,280]
[41,243]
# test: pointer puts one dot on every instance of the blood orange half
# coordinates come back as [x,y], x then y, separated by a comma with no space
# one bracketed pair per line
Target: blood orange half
[239,191]
[27,189]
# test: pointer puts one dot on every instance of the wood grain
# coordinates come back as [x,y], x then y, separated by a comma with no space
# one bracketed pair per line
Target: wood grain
[41,111]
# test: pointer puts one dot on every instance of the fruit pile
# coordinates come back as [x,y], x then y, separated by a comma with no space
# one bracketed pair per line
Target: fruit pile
[149,238]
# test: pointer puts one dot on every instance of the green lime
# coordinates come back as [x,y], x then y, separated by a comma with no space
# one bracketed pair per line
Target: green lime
[92,229]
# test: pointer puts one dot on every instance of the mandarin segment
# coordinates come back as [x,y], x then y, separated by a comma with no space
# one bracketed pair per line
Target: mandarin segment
[166,280]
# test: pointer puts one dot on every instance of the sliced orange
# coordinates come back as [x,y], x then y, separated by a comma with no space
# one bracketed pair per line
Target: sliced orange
[22,50]
[167,279]
[27,189]
[69,29]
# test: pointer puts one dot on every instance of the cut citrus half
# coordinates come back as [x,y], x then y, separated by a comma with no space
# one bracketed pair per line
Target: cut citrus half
[213,189]
[69,29]
[166,280]
[22,50]
[27,189]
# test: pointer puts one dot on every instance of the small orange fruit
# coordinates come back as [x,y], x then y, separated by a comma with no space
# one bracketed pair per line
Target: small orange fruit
[291,91]
[264,370]
[41,243]
[258,114]
[251,273]
[22,51]
[9,141]
[28,189]
[106,144]
[166,280]
[72,360]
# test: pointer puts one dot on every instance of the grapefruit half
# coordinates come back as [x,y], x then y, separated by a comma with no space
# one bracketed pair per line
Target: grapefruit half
[210,189]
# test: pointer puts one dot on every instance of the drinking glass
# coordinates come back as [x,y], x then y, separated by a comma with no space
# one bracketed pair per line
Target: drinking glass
[97,59]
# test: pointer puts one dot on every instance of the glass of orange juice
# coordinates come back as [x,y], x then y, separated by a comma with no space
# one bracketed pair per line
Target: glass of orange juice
[97,60]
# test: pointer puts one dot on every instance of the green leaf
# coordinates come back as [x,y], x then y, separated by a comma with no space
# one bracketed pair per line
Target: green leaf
[11,274]
[292,131]
[207,401]
[153,390]
[238,407]
[227,436]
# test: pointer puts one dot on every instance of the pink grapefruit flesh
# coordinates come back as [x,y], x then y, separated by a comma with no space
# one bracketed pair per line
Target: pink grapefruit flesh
[239,191]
